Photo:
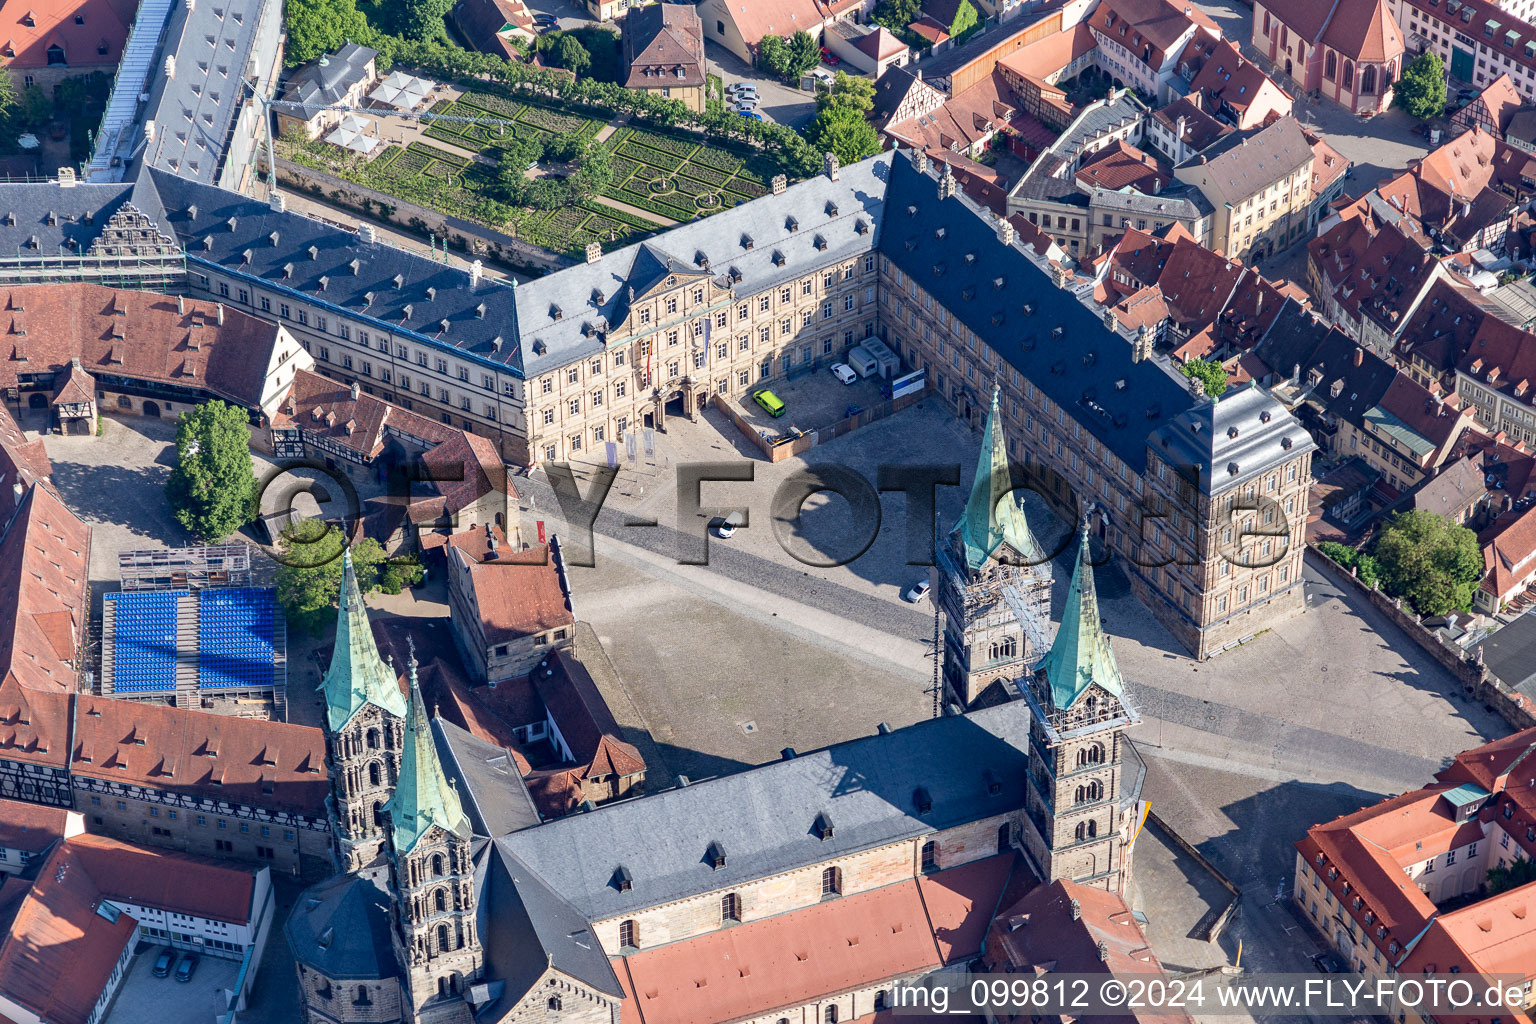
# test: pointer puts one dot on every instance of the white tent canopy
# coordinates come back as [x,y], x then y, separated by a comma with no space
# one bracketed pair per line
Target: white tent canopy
[355,141]
[402,91]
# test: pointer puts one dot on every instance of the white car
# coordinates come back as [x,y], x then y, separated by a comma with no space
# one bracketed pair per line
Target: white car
[742,87]
[844,373]
[724,527]
[744,104]
[916,592]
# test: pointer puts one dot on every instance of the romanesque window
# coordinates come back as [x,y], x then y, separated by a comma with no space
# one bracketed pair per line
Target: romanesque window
[831,1015]
[1004,837]
[442,937]
[1003,649]
[1086,830]
[1090,792]
[437,865]
[374,775]
[1091,755]
[440,900]
[373,739]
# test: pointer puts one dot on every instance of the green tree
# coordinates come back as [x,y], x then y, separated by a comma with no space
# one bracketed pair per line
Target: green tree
[1421,90]
[309,576]
[843,131]
[788,57]
[1366,569]
[315,27]
[896,15]
[212,490]
[966,24]
[1430,563]
[1520,872]
[423,19]
[855,92]
[7,94]
[568,53]
[1207,372]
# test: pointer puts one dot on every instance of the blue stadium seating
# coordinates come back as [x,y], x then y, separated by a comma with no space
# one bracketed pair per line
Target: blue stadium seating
[236,629]
[144,653]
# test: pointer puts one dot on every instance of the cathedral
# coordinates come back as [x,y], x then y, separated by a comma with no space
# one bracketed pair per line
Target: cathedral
[799,890]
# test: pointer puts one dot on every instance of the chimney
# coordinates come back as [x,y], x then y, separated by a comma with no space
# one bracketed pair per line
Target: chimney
[1181,125]
[1058,275]
[832,166]
[947,182]
[150,130]
[1076,910]
[19,489]
[780,183]
[181,306]
[218,311]
[356,390]
[594,251]
[1295,372]
[1005,231]
[920,159]
[67,177]
[1359,356]
[366,233]
[277,201]
[477,271]
[170,66]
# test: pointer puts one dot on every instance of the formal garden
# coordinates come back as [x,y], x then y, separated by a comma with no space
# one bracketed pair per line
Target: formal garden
[673,176]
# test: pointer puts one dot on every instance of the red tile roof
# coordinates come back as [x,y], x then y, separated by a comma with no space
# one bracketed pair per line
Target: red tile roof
[103,24]
[218,757]
[59,953]
[1157,24]
[44,562]
[21,461]
[516,600]
[33,827]
[1121,165]
[168,880]
[790,959]
[1496,104]
[136,334]
[584,720]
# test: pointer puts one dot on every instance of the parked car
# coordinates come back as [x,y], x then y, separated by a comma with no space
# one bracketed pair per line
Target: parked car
[545,19]
[829,57]
[1328,963]
[916,592]
[742,89]
[844,373]
[742,106]
[188,965]
[163,963]
[750,115]
[725,526]
[771,403]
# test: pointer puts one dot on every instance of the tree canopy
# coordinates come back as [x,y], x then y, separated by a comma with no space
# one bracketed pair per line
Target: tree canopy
[966,24]
[1421,90]
[309,575]
[1209,373]
[789,57]
[316,27]
[854,92]
[845,133]
[568,53]
[1522,871]
[1429,562]
[212,490]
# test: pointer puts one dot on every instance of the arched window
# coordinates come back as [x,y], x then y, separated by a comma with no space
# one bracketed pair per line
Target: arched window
[378,812]
[830,1016]
[440,899]
[1368,80]
[1004,649]
[373,739]
[1349,74]
[1004,837]
[362,996]
[1091,792]
[1086,830]
[930,855]
[554,1002]
[1330,65]
[1093,754]
[442,936]
[629,935]
[374,775]
[730,907]
[832,882]
[437,865]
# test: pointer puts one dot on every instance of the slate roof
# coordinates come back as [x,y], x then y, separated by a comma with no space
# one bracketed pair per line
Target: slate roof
[986,286]
[525,926]
[1241,164]
[763,818]
[220,227]
[41,217]
[1220,444]
[326,79]
[488,780]
[194,110]
[341,929]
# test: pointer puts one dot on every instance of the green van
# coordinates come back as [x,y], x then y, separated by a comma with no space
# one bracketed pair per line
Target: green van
[770,403]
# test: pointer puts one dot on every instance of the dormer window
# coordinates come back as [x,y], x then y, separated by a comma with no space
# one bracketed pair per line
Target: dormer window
[622,879]
[922,800]
[822,827]
[714,856]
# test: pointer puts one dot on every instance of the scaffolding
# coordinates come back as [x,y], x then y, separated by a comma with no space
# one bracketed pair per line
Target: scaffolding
[142,273]
[195,568]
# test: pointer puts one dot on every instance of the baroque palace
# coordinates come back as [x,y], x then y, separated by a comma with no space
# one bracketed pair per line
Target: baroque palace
[1204,501]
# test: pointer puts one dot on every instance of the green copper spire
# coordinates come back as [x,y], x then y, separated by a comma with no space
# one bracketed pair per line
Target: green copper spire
[422,797]
[1081,655]
[356,675]
[992,517]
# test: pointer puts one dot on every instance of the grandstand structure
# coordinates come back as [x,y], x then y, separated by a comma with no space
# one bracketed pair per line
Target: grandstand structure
[218,565]
[194,646]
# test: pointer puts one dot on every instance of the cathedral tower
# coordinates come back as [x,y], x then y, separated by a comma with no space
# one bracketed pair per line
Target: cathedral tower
[432,873]
[1082,817]
[365,719]
[994,583]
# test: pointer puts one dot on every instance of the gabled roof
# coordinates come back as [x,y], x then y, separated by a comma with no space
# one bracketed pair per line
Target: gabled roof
[875,790]
[1498,102]
[325,80]
[33,828]
[488,779]
[1243,163]
[91,33]
[663,46]
[356,676]
[515,600]
[45,555]
[168,880]
[1364,30]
